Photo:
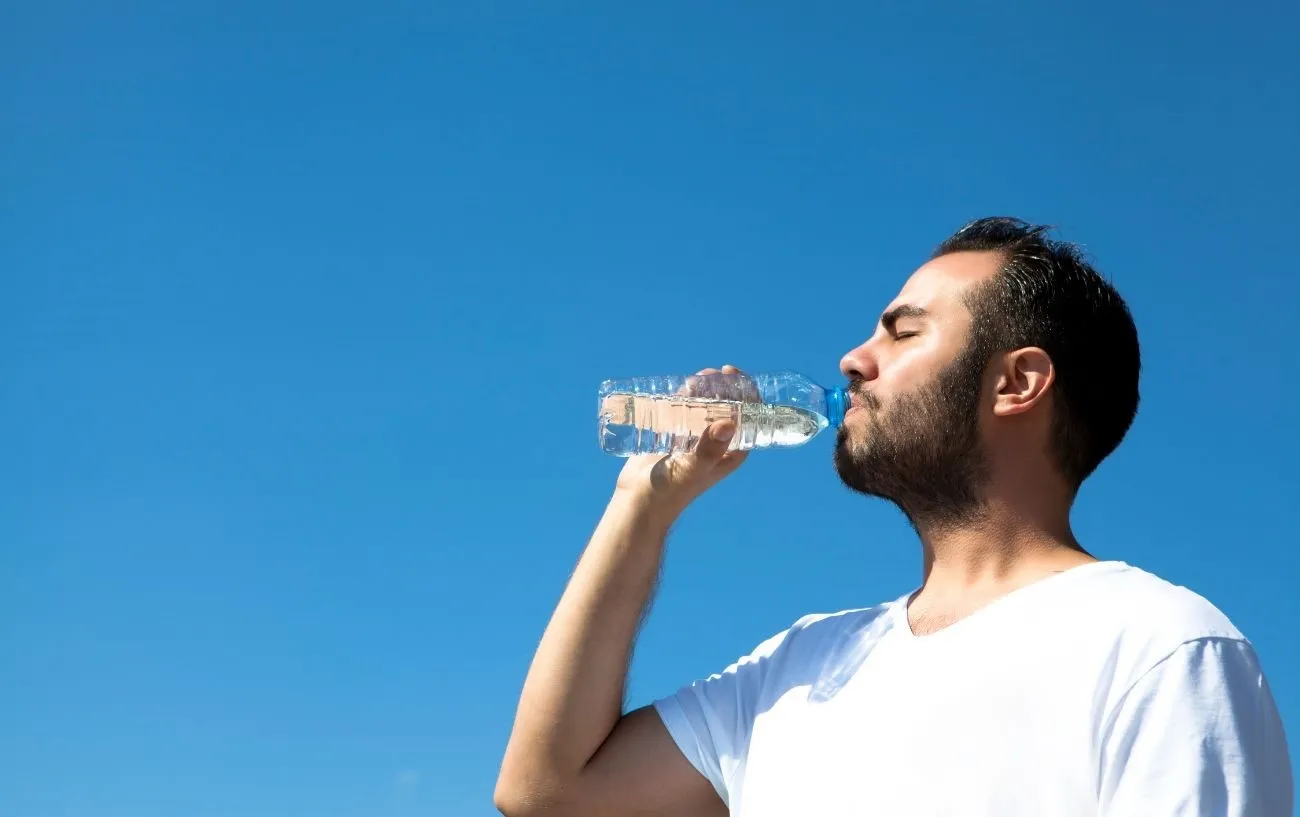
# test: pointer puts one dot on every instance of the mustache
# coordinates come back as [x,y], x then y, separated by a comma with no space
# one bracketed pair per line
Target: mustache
[858,389]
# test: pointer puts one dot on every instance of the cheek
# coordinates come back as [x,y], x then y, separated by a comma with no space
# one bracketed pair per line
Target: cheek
[913,368]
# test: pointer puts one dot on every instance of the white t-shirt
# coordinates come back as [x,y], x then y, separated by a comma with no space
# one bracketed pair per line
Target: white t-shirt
[1100,691]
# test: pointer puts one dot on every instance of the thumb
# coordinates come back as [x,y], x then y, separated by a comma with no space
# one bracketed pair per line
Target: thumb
[715,441]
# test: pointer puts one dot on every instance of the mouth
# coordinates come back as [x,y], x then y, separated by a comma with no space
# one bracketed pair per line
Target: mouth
[857,406]
[859,401]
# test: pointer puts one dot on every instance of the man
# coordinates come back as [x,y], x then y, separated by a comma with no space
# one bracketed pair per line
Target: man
[1023,677]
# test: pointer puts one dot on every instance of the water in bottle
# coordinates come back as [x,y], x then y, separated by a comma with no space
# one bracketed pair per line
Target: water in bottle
[658,415]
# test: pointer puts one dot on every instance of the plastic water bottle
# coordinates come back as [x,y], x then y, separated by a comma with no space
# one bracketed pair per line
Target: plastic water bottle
[660,415]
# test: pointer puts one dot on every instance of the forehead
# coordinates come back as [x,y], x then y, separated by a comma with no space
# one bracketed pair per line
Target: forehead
[939,285]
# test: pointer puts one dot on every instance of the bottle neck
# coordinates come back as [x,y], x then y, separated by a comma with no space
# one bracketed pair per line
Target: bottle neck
[837,403]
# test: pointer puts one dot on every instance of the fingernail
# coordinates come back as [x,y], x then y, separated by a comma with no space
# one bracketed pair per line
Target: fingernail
[725,434]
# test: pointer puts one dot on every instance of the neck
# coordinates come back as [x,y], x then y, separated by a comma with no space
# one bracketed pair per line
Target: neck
[996,550]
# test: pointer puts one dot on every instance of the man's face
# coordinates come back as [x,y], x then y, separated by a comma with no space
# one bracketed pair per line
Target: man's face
[913,434]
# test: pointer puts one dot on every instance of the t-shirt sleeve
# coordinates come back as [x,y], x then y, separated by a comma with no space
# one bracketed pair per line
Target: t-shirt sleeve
[1198,734]
[711,720]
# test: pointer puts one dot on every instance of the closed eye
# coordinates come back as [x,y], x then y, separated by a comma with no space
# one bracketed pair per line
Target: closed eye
[905,335]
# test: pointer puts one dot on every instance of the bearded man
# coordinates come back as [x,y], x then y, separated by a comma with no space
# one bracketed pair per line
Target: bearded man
[1022,678]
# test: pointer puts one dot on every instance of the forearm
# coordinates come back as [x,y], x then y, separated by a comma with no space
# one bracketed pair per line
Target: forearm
[573,694]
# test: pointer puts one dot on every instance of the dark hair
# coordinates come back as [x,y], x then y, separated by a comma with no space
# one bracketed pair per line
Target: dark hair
[1047,295]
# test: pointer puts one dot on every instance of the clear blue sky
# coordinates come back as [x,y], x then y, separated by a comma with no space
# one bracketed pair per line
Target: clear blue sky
[305,308]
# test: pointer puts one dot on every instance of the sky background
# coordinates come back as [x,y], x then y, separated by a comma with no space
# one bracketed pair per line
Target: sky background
[303,307]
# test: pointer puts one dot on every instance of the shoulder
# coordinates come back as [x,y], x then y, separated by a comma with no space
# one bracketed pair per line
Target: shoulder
[1146,608]
[797,655]
[1137,622]
[818,632]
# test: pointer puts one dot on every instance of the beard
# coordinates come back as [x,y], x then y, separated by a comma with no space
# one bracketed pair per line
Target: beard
[922,452]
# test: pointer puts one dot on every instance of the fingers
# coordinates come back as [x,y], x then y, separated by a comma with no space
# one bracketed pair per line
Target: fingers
[718,384]
[727,369]
[741,387]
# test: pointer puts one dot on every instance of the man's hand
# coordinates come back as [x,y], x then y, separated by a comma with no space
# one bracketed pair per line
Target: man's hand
[666,484]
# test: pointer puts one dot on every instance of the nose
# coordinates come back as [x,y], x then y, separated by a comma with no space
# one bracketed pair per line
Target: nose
[859,364]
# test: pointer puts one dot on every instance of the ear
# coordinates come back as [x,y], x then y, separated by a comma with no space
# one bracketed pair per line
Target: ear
[1023,379]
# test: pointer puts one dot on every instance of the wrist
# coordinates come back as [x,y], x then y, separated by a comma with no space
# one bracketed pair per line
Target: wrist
[644,508]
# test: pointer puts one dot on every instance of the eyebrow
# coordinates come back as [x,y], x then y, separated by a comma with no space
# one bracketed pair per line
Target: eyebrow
[896,314]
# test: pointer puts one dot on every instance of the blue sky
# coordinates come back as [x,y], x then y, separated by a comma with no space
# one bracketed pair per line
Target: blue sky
[305,308]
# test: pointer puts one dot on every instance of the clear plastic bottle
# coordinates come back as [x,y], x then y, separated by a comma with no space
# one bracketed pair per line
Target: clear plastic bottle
[659,415]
